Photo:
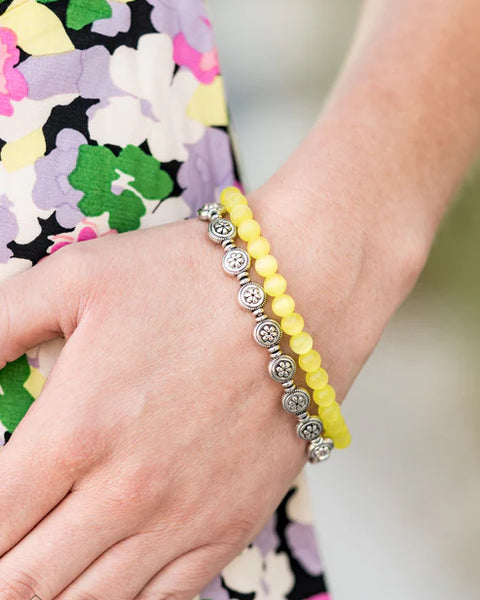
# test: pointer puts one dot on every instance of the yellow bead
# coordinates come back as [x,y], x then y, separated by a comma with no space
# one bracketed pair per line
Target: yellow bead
[292,324]
[283,305]
[240,213]
[342,439]
[324,397]
[335,427]
[266,265]
[232,196]
[227,193]
[330,414]
[258,247]
[235,201]
[317,379]
[343,430]
[301,342]
[310,361]
[249,230]
[332,418]
[275,284]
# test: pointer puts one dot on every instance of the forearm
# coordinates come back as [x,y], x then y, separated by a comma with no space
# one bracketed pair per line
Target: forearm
[368,186]
[403,122]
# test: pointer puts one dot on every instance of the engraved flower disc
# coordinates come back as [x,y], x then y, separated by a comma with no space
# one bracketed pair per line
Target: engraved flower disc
[310,430]
[282,368]
[267,333]
[221,229]
[236,261]
[252,296]
[320,452]
[296,402]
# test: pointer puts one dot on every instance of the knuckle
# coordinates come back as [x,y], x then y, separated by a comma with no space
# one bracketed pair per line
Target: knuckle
[20,586]
[74,262]
[75,450]
[241,529]
[135,487]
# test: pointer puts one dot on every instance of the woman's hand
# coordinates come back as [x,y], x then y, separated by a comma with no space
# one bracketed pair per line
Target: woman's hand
[158,447]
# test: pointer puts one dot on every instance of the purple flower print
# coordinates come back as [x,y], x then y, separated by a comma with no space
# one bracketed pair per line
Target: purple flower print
[215,590]
[183,16]
[267,540]
[52,188]
[120,21]
[75,72]
[8,228]
[52,74]
[303,544]
[208,168]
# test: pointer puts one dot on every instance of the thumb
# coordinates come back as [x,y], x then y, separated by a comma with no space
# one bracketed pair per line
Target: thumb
[37,305]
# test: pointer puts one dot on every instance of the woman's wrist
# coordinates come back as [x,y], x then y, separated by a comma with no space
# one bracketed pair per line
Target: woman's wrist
[346,275]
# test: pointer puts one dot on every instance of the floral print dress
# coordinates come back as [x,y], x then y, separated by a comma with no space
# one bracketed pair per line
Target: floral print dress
[112,118]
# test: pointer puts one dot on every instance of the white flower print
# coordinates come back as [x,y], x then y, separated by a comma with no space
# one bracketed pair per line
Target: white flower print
[156,109]
[269,577]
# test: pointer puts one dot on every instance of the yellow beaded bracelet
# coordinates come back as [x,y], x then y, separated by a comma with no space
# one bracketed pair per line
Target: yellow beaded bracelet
[292,323]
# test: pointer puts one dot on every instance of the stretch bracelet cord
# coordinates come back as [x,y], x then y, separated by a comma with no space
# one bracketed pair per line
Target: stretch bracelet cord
[268,332]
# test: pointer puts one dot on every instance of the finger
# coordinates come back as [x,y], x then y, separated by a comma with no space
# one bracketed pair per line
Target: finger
[185,577]
[35,476]
[36,305]
[65,543]
[123,570]
[46,452]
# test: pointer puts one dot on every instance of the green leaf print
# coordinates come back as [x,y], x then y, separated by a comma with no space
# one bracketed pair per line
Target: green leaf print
[134,170]
[148,178]
[15,400]
[84,12]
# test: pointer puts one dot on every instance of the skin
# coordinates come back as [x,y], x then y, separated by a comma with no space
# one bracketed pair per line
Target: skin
[168,449]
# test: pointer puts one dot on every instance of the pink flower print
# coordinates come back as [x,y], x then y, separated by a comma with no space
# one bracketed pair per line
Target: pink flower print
[85,230]
[13,85]
[204,65]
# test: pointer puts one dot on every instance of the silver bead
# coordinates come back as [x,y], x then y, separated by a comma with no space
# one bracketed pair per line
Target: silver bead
[310,429]
[267,333]
[207,211]
[282,368]
[252,296]
[228,245]
[289,385]
[320,450]
[221,229]
[296,402]
[274,350]
[236,261]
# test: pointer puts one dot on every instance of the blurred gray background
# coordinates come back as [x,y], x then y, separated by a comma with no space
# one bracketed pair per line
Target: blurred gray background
[398,513]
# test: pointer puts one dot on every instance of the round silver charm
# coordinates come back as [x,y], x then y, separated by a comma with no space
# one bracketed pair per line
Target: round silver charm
[252,296]
[310,429]
[282,368]
[235,261]
[267,333]
[320,450]
[296,402]
[221,229]
[207,211]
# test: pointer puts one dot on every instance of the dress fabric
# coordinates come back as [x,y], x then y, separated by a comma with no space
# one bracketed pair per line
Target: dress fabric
[112,118]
